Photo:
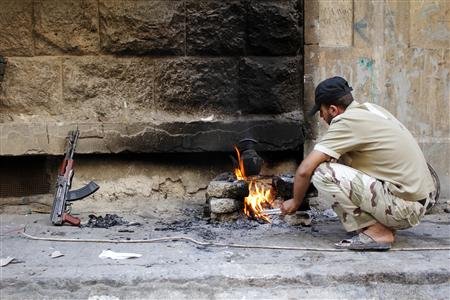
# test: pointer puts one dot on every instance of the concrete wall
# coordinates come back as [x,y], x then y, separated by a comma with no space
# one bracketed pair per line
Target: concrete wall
[393,53]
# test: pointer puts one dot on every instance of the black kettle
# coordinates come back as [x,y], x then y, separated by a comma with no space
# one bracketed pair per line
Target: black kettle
[251,161]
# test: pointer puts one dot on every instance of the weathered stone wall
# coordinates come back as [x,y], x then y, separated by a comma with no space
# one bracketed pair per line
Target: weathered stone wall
[150,76]
[394,53]
[143,184]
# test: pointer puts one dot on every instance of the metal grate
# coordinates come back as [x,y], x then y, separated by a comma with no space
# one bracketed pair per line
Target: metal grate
[23,176]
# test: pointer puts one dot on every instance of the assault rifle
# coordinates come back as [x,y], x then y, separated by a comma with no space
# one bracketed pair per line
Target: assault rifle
[63,195]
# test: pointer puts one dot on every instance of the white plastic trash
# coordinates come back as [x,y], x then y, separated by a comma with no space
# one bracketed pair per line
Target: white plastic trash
[6,261]
[117,255]
[56,254]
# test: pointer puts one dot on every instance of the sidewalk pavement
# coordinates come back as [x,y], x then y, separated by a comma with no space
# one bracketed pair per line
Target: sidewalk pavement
[184,270]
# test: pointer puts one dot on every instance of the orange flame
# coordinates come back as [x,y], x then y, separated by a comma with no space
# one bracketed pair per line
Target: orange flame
[259,197]
[239,171]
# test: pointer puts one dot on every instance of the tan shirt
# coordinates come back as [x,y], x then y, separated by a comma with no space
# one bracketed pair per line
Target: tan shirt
[376,143]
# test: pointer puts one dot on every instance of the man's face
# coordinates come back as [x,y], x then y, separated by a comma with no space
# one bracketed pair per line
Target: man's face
[326,113]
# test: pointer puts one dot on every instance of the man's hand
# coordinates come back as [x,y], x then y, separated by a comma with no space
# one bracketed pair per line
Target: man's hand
[302,179]
[289,207]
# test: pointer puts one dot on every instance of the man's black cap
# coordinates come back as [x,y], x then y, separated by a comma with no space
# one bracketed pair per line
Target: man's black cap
[329,91]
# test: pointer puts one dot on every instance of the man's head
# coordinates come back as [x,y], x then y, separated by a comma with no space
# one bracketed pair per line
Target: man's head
[332,97]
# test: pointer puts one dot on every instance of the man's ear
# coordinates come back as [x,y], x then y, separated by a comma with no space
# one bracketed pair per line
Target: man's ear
[333,109]
[336,110]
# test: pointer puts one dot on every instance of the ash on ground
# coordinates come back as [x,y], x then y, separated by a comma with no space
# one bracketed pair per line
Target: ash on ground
[105,222]
[192,222]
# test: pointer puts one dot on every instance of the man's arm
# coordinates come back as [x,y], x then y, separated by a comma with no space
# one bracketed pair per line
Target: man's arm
[302,180]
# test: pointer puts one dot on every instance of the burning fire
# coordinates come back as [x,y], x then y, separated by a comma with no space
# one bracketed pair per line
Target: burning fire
[239,171]
[259,198]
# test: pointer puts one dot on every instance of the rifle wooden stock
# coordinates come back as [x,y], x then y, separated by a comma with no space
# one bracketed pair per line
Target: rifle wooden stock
[70,219]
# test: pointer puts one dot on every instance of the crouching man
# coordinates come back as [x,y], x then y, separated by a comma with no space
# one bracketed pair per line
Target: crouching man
[367,166]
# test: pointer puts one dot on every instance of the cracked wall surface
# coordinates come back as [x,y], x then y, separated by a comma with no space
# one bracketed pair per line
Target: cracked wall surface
[145,184]
[394,53]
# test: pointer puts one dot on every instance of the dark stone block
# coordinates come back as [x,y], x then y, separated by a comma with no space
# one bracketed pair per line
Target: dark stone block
[273,134]
[284,186]
[142,27]
[196,85]
[273,28]
[270,85]
[215,27]
[281,133]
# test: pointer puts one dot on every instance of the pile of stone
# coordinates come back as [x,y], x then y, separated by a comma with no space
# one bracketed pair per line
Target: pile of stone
[225,195]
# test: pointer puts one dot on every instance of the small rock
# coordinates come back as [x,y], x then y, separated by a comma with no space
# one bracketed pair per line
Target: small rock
[224,189]
[224,205]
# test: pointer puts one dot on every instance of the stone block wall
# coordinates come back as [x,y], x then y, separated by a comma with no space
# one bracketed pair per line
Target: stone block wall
[394,53]
[150,76]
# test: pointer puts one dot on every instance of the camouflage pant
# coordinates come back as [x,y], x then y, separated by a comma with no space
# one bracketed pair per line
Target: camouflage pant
[360,200]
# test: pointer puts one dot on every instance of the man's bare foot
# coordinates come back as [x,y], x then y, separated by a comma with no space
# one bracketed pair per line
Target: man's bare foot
[380,233]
